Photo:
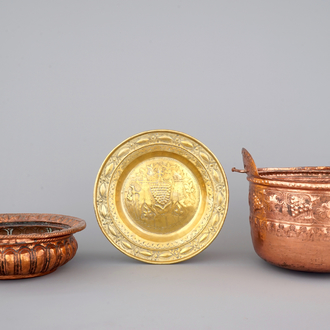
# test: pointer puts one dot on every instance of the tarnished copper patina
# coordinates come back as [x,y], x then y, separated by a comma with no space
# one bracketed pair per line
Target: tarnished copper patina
[36,244]
[290,215]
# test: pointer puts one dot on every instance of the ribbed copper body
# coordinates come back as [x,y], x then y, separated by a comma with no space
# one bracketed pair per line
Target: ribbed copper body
[36,244]
[290,215]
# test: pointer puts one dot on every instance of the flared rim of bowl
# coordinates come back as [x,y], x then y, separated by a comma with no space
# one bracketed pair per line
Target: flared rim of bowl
[66,225]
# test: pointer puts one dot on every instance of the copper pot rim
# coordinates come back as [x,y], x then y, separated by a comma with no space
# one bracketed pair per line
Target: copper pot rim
[308,177]
[72,224]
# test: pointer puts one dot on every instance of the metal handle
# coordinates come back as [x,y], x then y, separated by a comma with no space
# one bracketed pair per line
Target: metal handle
[249,165]
[234,169]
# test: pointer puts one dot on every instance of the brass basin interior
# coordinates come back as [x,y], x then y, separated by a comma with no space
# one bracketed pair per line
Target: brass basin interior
[161,196]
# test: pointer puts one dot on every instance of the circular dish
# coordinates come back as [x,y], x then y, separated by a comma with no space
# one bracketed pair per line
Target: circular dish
[161,197]
[36,244]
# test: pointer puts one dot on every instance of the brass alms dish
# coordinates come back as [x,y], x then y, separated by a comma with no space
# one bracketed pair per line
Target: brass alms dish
[161,197]
[36,244]
[290,215]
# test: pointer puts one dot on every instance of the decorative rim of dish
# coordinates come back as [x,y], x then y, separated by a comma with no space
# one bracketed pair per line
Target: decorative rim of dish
[74,224]
[179,249]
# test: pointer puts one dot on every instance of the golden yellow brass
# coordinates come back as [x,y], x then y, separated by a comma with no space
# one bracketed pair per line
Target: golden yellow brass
[161,197]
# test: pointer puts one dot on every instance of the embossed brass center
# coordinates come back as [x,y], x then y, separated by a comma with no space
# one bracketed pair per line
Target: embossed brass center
[161,195]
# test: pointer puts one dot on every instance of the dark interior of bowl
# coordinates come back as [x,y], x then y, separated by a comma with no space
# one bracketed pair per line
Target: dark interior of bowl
[303,175]
[24,228]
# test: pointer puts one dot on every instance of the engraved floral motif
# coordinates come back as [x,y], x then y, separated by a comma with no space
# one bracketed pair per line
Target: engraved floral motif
[304,233]
[300,205]
[292,207]
[324,210]
[256,203]
[161,195]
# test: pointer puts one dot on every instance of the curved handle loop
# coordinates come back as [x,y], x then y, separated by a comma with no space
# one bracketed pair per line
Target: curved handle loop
[249,165]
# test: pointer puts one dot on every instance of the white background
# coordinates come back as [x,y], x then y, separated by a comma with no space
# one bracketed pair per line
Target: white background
[79,77]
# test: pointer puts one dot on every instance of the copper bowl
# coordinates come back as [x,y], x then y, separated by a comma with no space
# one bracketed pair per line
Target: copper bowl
[36,244]
[290,215]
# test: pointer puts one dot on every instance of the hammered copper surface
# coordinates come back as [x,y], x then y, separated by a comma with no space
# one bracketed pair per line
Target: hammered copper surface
[290,215]
[36,244]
